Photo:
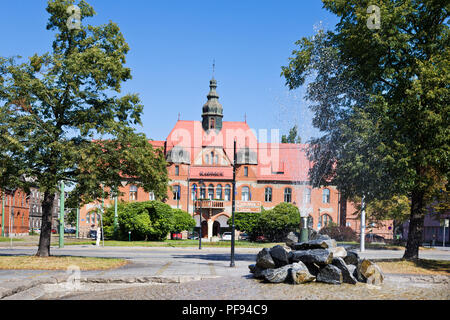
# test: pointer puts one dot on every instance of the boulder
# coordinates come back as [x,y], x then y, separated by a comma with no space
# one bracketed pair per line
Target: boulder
[256,271]
[347,274]
[264,260]
[278,275]
[291,238]
[369,272]
[279,256]
[299,274]
[352,269]
[318,256]
[313,268]
[317,236]
[330,274]
[351,258]
[338,252]
[314,244]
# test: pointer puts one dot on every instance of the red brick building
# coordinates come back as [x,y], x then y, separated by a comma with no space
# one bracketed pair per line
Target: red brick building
[15,212]
[200,156]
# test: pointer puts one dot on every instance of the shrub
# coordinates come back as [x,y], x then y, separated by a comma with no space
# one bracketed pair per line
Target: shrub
[149,220]
[274,224]
[339,233]
[181,220]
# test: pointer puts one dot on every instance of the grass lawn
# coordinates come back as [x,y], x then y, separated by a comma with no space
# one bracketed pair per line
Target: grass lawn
[58,263]
[175,243]
[6,239]
[421,266]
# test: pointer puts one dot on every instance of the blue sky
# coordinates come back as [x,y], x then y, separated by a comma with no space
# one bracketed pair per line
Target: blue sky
[173,44]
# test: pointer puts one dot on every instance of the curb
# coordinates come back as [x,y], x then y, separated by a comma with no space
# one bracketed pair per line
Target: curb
[4,293]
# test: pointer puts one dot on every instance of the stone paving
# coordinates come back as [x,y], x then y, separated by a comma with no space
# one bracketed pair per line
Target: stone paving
[182,268]
[245,288]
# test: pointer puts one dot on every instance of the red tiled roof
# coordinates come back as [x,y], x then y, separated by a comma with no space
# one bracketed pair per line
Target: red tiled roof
[276,161]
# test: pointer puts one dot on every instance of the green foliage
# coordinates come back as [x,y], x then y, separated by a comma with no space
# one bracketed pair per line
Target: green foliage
[293,136]
[63,117]
[181,221]
[247,222]
[274,224]
[381,97]
[149,220]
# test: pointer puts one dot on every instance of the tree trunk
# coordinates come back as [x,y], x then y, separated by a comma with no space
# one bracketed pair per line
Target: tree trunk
[46,228]
[343,210]
[416,222]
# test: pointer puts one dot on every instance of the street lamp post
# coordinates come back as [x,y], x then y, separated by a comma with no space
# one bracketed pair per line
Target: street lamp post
[200,231]
[61,216]
[233,206]
[3,213]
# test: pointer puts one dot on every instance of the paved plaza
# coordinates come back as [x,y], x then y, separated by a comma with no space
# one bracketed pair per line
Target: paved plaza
[190,273]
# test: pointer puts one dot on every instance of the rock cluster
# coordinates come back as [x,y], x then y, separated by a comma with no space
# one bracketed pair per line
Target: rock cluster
[319,259]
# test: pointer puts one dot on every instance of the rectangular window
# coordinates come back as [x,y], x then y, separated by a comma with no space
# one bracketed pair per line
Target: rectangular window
[176,193]
[246,171]
[133,193]
[177,170]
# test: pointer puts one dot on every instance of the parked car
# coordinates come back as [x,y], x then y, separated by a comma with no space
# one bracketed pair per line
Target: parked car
[226,236]
[70,230]
[176,236]
[374,238]
[244,236]
[93,234]
[261,239]
[193,236]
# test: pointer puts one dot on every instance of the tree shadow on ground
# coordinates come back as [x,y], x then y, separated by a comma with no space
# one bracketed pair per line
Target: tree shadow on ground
[217,256]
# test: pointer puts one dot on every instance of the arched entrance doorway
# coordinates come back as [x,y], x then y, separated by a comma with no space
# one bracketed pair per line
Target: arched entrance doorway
[216,229]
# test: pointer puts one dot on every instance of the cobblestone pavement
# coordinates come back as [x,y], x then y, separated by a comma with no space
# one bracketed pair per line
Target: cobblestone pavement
[247,288]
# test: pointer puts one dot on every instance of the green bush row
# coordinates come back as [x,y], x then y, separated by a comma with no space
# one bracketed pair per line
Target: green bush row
[149,220]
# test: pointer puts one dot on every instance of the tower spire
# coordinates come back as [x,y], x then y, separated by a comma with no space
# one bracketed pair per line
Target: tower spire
[214,68]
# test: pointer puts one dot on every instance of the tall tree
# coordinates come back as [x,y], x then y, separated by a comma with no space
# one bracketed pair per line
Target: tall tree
[64,109]
[292,137]
[403,66]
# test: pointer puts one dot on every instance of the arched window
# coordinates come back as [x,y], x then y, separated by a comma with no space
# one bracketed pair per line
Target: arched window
[307,195]
[88,218]
[133,193]
[151,196]
[326,196]
[212,123]
[268,194]
[216,159]
[325,220]
[207,159]
[227,192]
[245,194]
[176,193]
[219,191]
[287,195]
[202,191]
[210,192]
[193,192]
[212,157]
